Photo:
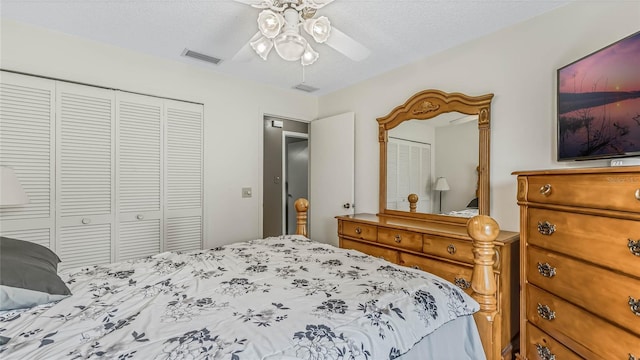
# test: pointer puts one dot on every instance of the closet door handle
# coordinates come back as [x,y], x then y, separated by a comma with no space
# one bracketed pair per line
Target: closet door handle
[140,217]
[86,221]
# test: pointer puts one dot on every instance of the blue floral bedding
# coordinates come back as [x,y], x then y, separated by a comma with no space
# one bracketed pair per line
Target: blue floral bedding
[275,298]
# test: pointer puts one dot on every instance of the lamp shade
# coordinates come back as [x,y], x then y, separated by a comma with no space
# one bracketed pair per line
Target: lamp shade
[11,192]
[442,184]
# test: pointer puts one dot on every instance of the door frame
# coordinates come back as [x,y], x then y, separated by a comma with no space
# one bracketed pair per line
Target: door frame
[297,135]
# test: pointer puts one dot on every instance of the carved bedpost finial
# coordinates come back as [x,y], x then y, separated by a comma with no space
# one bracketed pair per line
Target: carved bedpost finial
[484,230]
[301,205]
[413,199]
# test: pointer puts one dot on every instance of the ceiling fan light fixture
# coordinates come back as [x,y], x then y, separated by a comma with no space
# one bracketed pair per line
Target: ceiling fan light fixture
[262,47]
[309,56]
[270,23]
[290,45]
[319,29]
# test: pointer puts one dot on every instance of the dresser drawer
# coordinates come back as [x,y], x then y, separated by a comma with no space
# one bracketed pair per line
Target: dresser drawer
[618,190]
[600,291]
[456,274]
[359,230]
[377,251]
[459,250]
[593,333]
[602,240]
[399,238]
[542,346]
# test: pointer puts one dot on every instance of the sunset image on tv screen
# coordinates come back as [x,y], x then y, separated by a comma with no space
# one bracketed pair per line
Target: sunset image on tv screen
[599,103]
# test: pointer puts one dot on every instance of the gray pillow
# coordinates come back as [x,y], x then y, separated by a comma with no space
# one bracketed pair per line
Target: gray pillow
[28,275]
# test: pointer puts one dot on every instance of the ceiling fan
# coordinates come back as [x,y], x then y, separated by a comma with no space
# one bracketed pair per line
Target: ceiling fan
[279,25]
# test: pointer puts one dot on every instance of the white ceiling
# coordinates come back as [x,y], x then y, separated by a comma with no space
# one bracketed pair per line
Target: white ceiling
[397,32]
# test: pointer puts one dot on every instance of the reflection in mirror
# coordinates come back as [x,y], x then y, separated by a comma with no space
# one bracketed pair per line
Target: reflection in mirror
[436,135]
[420,152]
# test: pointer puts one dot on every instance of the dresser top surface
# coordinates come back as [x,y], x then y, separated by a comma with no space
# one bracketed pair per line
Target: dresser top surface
[424,226]
[571,171]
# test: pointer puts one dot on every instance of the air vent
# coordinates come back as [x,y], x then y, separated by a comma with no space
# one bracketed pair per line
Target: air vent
[200,56]
[305,88]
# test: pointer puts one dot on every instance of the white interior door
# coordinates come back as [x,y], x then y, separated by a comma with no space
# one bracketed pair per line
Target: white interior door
[332,168]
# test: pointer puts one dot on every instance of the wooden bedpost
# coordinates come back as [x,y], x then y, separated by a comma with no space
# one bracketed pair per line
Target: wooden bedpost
[484,230]
[301,205]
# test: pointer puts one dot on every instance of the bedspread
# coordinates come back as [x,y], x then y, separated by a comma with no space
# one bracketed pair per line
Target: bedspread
[276,298]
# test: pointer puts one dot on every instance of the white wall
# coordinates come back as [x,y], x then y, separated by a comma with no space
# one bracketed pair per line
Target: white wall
[454,143]
[233,122]
[518,65]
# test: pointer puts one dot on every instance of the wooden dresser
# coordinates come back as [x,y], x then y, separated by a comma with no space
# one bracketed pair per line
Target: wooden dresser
[442,249]
[580,274]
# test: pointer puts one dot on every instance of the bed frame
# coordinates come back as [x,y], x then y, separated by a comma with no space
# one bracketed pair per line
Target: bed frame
[483,230]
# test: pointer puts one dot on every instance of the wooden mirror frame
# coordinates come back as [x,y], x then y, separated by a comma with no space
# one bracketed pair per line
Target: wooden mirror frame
[428,104]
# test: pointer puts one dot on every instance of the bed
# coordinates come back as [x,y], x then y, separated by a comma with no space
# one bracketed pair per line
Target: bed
[284,297]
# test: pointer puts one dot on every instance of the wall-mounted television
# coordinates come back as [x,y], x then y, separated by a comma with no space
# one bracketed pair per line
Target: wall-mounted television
[599,103]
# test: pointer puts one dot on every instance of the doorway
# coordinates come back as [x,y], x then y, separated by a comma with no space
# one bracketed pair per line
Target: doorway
[285,173]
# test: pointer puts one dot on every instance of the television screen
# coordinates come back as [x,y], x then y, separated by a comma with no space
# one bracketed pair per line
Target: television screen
[599,103]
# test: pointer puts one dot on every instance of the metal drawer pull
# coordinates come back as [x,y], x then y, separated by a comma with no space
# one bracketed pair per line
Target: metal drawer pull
[140,217]
[634,305]
[451,249]
[546,270]
[86,221]
[462,283]
[634,247]
[637,194]
[545,190]
[545,312]
[416,267]
[358,230]
[398,238]
[545,353]
[546,228]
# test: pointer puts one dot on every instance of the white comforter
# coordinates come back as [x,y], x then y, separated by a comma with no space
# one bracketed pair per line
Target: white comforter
[276,298]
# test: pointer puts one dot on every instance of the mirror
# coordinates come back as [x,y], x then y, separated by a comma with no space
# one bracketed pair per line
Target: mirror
[434,157]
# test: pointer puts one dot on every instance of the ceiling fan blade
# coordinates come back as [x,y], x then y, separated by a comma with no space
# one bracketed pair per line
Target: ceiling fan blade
[343,43]
[246,53]
[317,4]
[261,4]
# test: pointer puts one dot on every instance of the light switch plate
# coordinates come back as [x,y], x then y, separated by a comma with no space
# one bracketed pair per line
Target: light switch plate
[246,192]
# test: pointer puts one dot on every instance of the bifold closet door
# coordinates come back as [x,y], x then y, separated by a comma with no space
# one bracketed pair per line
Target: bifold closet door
[27,146]
[184,164]
[139,174]
[85,174]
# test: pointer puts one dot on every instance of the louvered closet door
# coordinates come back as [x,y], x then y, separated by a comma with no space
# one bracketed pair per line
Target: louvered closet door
[183,176]
[139,174]
[85,174]
[27,146]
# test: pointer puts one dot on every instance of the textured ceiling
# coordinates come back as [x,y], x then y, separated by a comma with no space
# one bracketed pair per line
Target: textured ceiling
[397,32]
